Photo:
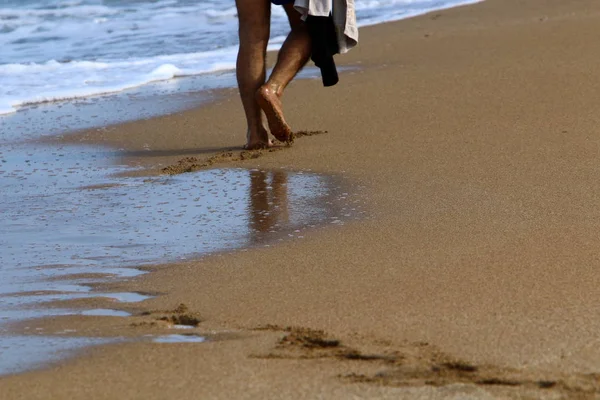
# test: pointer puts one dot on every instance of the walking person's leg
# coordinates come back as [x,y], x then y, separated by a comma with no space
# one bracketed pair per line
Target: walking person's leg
[254,29]
[254,19]
[293,55]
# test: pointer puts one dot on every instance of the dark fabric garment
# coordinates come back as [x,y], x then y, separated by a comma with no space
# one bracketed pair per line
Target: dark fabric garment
[324,46]
[281,2]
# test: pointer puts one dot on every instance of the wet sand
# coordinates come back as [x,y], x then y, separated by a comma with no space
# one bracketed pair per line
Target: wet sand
[474,131]
[71,226]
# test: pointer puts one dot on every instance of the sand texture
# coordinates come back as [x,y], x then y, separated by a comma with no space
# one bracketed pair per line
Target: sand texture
[475,133]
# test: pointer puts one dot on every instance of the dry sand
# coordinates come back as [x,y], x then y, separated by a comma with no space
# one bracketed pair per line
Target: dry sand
[476,131]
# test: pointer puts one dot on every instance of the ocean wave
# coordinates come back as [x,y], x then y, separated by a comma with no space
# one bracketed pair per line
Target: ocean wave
[75,10]
[26,84]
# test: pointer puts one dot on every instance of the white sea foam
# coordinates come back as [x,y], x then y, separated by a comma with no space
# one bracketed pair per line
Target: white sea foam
[54,50]
[35,83]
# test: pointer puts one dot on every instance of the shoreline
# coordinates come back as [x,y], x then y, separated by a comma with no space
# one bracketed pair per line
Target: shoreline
[484,221]
[48,120]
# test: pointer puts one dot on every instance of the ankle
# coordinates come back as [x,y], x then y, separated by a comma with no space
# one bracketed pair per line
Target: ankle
[258,134]
[272,88]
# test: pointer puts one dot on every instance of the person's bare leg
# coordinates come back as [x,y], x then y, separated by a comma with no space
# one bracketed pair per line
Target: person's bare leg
[292,57]
[255,22]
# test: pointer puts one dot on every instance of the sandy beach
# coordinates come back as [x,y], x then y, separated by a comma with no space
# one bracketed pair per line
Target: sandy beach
[471,137]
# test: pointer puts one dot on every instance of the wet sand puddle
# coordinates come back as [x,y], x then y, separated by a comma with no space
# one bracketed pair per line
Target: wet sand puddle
[63,217]
[167,218]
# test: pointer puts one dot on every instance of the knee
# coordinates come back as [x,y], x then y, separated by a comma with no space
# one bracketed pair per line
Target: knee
[253,42]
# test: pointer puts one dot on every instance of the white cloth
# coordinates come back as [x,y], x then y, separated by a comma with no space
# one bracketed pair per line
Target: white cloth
[344,18]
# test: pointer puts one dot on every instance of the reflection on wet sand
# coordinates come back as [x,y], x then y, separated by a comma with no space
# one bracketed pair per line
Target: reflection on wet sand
[53,236]
[117,223]
[268,203]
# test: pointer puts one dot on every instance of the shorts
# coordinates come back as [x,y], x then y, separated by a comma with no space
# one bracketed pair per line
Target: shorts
[282,2]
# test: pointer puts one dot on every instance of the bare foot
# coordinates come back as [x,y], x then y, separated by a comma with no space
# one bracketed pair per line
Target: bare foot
[258,141]
[270,103]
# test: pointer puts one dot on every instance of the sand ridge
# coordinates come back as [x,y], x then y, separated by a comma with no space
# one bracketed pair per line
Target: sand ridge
[192,164]
[419,364]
